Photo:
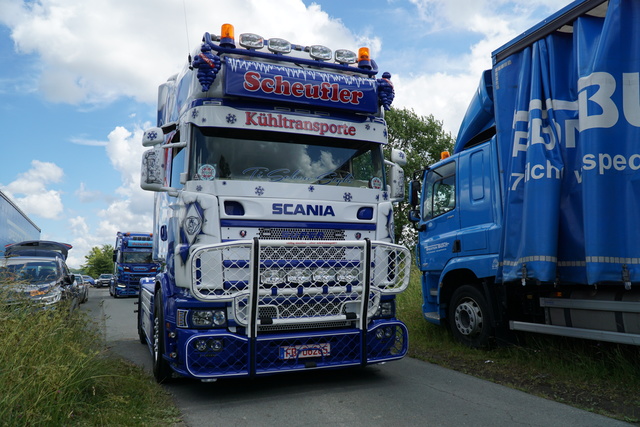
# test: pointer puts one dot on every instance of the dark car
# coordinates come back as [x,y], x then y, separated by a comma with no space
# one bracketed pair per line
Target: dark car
[37,270]
[104,280]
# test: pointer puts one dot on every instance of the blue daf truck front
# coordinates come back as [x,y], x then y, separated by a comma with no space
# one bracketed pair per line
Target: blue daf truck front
[532,223]
[273,213]
[132,258]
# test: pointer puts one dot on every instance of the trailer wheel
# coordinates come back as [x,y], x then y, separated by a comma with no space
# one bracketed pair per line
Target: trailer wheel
[161,368]
[469,317]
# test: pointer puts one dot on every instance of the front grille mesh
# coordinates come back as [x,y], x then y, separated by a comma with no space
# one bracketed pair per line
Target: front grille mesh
[299,283]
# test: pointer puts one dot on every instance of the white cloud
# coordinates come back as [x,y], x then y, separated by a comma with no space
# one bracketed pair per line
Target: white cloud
[30,191]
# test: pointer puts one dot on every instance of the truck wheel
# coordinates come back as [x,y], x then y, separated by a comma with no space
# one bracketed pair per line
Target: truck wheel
[469,317]
[161,369]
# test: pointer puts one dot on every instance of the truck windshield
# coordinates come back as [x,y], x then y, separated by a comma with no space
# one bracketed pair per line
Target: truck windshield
[136,258]
[278,157]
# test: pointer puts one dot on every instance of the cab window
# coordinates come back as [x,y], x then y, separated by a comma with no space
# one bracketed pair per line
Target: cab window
[441,191]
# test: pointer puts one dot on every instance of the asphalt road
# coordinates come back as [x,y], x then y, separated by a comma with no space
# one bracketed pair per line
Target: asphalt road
[402,393]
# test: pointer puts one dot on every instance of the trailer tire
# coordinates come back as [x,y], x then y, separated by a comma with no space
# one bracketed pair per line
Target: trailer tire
[469,317]
[161,368]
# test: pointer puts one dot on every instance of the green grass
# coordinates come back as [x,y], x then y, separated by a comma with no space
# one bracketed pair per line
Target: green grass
[600,377]
[55,371]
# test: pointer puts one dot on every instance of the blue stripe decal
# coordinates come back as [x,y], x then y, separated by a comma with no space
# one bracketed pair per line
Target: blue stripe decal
[297,224]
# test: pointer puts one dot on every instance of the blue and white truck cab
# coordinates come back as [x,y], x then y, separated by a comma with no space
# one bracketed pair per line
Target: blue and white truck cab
[273,214]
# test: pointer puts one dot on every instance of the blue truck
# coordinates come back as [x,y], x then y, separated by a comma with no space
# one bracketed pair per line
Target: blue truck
[532,224]
[273,213]
[132,257]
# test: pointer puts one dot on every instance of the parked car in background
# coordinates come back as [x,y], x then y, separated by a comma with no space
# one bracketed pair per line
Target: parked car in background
[83,288]
[36,269]
[104,280]
[90,280]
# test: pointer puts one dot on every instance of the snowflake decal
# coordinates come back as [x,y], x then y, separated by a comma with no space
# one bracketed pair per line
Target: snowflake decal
[384,132]
[152,135]
[347,197]
[259,191]
[385,196]
[231,118]
[311,189]
[377,197]
[194,113]
[199,188]
[367,126]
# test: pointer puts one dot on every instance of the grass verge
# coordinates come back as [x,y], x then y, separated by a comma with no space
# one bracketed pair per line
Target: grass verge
[598,377]
[55,371]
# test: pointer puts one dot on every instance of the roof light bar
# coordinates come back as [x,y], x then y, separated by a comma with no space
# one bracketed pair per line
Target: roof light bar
[279,46]
[251,41]
[321,53]
[344,56]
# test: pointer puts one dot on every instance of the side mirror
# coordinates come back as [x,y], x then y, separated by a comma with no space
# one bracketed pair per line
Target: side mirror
[153,172]
[152,136]
[395,178]
[414,192]
[398,157]
[68,279]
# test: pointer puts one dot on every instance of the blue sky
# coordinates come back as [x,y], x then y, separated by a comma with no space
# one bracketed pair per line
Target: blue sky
[78,84]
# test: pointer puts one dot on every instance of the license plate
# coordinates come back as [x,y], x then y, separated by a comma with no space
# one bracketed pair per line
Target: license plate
[305,350]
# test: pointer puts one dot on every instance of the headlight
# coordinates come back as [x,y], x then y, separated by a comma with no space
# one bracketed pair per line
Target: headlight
[204,318]
[48,297]
[120,285]
[385,309]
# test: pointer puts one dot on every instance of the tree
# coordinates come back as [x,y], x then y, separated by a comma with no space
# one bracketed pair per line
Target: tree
[422,139]
[99,261]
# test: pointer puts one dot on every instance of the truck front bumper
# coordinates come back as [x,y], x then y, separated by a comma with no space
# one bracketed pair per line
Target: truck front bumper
[213,354]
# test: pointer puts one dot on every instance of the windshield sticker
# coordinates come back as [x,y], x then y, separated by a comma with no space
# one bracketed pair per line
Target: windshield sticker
[207,172]
[277,175]
[376,183]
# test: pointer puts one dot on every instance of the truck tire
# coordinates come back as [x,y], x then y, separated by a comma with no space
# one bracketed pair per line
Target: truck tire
[469,317]
[161,368]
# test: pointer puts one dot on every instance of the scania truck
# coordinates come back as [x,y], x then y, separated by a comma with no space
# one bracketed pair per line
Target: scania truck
[273,214]
[532,223]
[132,261]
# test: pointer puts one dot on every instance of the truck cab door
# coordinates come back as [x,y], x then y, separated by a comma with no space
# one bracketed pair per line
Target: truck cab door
[440,219]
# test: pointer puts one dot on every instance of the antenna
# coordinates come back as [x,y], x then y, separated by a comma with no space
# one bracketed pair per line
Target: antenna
[186,28]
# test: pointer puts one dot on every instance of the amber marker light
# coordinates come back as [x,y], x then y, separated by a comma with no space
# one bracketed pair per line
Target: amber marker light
[364,60]
[226,36]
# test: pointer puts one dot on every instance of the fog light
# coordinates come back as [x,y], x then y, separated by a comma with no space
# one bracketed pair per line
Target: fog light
[216,345]
[324,275]
[347,275]
[201,345]
[299,275]
[272,277]
[388,332]
[379,334]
